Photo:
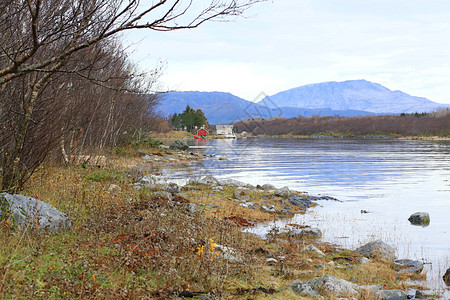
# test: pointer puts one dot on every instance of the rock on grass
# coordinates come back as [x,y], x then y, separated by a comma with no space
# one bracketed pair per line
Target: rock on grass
[29,211]
[377,248]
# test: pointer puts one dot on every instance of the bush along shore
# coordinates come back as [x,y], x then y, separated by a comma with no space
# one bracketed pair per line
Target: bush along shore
[123,231]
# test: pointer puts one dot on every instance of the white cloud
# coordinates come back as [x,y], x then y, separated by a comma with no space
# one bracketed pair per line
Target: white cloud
[283,44]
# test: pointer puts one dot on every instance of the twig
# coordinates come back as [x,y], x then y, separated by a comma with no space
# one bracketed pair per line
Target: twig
[15,263]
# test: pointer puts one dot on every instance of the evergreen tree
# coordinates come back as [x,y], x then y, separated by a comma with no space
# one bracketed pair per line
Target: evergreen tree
[189,119]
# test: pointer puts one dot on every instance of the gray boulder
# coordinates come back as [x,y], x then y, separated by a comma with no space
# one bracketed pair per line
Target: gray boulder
[190,207]
[283,192]
[208,180]
[163,195]
[446,277]
[408,266]
[364,260]
[242,194]
[231,182]
[114,188]
[299,201]
[171,188]
[303,288]
[312,248]
[28,211]
[419,295]
[371,289]
[268,187]
[330,285]
[228,253]
[306,233]
[148,179]
[179,145]
[420,219]
[377,249]
[391,295]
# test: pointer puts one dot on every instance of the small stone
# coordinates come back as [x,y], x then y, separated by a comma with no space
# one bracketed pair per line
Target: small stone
[299,201]
[208,180]
[228,253]
[114,188]
[313,248]
[420,219]
[364,260]
[303,288]
[419,295]
[319,266]
[163,195]
[331,264]
[391,295]
[190,207]
[306,233]
[179,145]
[377,249]
[408,266]
[331,285]
[171,188]
[283,192]
[446,277]
[268,187]
[242,194]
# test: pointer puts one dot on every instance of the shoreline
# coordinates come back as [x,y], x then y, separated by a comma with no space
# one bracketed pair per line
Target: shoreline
[190,235]
[286,234]
[364,137]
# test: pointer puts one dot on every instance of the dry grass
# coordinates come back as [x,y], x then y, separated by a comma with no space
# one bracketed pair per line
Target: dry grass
[132,244]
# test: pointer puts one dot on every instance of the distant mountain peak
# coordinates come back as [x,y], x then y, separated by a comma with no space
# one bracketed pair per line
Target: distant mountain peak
[358,94]
[345,98]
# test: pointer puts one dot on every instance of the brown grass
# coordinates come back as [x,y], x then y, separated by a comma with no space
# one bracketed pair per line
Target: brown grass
[132,244]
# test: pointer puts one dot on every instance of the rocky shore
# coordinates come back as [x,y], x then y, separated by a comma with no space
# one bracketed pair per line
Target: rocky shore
[289,262]
[282,203]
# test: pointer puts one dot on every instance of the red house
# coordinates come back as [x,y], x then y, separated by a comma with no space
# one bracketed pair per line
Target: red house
[202,132]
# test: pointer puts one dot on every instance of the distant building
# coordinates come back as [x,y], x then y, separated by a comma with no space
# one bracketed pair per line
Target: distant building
[202,132]
[224,130]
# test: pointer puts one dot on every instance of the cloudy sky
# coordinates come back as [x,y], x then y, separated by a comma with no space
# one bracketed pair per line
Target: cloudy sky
[281,44]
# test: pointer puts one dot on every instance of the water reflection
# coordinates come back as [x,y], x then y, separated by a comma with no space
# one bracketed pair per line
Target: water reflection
[391,179]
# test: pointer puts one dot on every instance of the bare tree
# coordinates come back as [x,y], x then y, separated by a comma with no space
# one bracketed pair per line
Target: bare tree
[40,39]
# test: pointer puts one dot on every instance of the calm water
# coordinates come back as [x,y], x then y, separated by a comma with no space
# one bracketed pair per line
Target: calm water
[391,179]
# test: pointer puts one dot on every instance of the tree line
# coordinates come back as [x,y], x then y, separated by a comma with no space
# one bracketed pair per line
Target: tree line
[436,123]
[66,84]
[189,119]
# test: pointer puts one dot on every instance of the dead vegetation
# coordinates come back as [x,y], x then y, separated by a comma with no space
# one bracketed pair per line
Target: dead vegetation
[132,244]
[423,124]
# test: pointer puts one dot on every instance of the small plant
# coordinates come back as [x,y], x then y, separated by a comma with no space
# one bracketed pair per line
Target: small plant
[210,252]
[119,151]
[272,234]
[104,175]
[5,209]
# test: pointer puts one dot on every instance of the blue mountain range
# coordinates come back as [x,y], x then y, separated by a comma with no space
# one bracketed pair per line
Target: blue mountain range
[348,99]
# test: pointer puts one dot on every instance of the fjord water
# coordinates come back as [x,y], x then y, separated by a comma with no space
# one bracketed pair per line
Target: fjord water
[388,178]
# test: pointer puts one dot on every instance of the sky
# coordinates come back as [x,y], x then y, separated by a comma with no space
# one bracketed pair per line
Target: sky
[282,44]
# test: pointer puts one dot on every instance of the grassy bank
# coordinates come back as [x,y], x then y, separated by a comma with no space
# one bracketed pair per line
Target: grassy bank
[135,243]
